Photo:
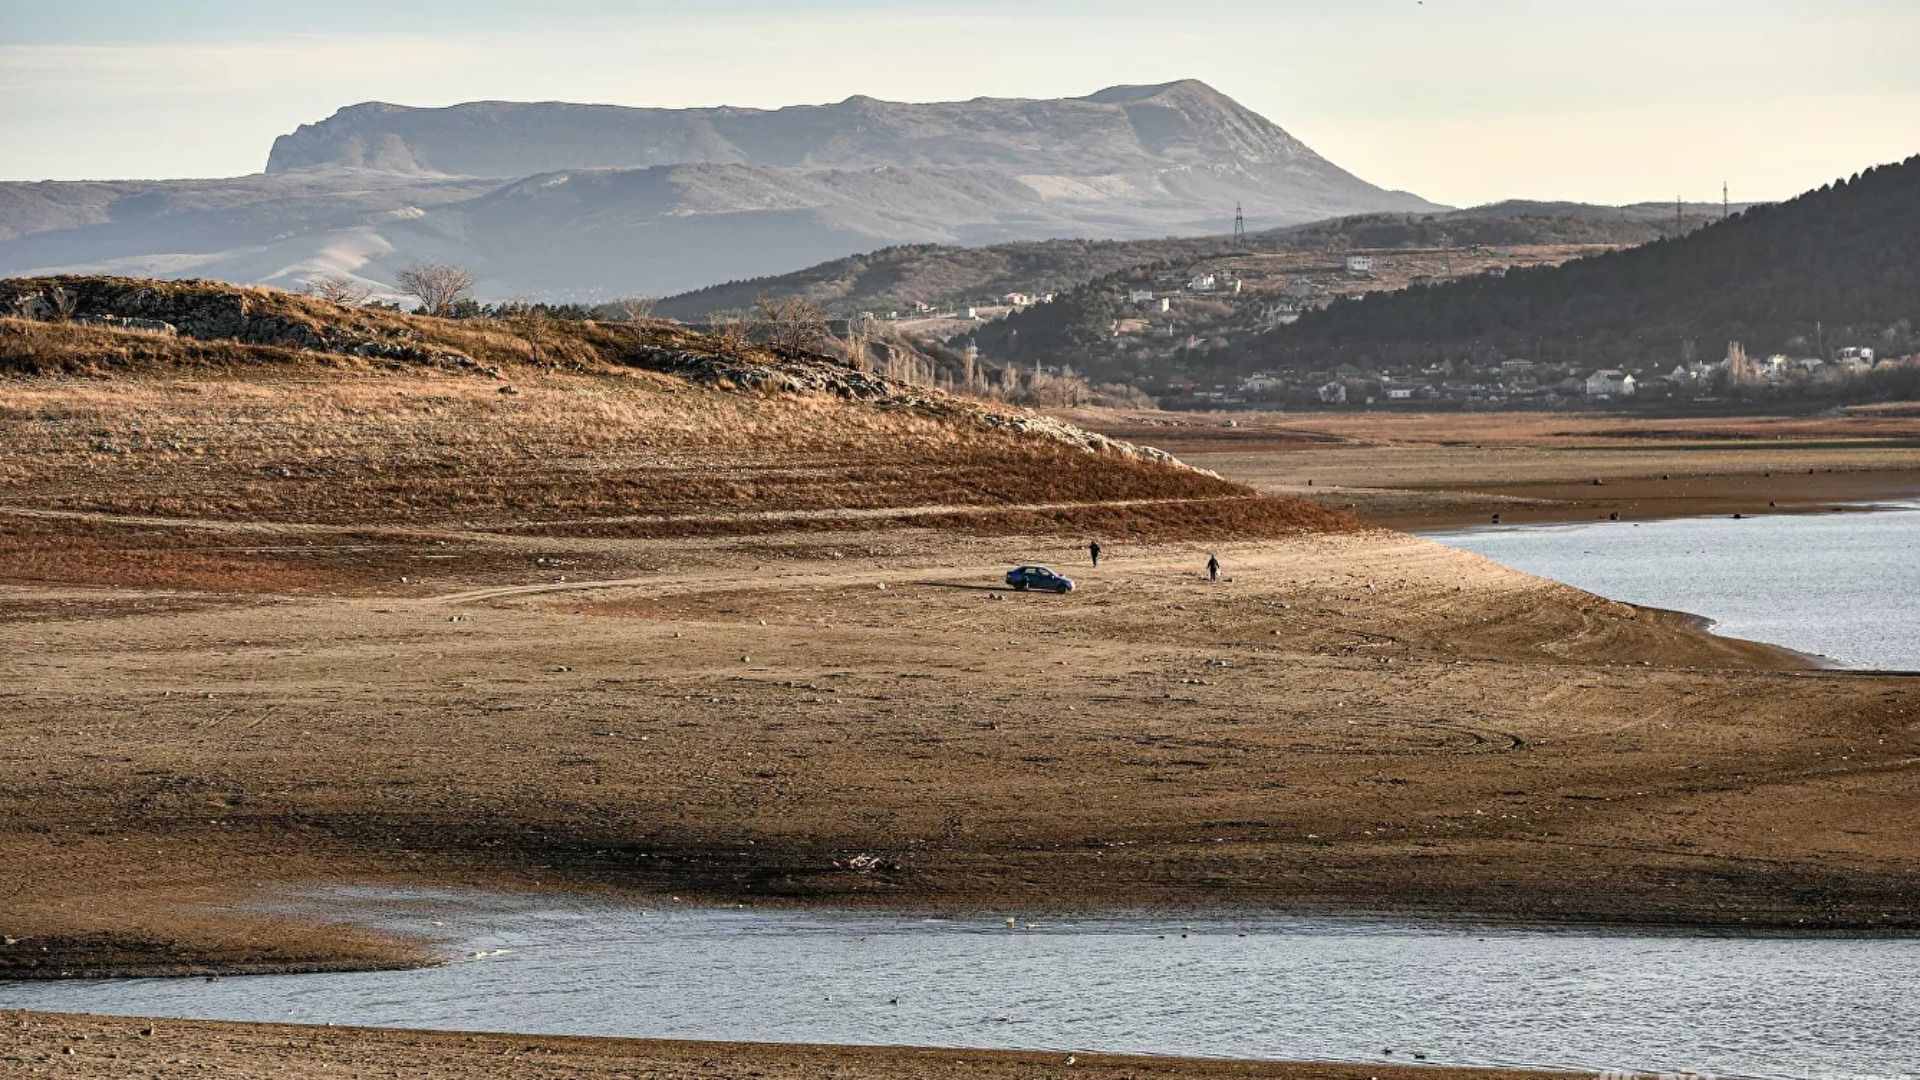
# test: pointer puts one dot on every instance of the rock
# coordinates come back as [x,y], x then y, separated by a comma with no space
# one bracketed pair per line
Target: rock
[509,389]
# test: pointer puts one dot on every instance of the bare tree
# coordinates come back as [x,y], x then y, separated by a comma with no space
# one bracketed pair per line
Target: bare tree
[532,323]
[734,334]
[438,286]
[61,302]
[859,343]
[634,309]
[792,325]
[339,290]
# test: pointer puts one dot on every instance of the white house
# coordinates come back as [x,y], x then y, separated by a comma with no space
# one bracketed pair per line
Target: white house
[1609,382]
[1359,264]
[1334,393]
[1202,283]
[1140,296]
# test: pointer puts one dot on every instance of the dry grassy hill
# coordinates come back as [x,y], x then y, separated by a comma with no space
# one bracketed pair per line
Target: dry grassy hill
[269,409]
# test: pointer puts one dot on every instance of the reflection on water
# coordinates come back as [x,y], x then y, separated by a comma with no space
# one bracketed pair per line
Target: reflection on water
[1840,586]
[1254,988]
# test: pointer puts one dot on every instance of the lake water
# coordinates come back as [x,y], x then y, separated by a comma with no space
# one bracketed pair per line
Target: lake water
[1841,586]
[1271,987]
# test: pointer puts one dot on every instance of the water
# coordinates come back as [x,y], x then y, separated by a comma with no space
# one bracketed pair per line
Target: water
[1839,586]
[1268,987]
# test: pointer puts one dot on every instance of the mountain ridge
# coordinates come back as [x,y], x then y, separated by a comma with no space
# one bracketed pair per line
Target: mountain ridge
[588,202]
[1119,128]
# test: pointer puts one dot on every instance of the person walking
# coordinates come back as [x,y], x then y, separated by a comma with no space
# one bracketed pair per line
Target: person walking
[1213,567]
[1093,548]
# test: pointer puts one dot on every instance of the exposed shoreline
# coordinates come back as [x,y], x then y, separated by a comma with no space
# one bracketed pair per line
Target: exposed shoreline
[100,1046]
[1351,721]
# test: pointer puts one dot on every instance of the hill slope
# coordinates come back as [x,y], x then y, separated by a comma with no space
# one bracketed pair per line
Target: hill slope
[589,202]
[319,413]
[1840,261]
[893,278]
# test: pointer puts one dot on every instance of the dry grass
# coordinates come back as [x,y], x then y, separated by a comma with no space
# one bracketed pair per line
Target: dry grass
[427,448]
[604,439]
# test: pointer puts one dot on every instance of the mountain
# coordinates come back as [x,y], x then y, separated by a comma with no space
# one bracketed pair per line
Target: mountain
[1840,265]
[1125,129]
[893,278]
[589,201]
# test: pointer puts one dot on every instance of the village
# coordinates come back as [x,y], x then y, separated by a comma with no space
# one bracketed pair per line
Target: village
[1524,383]
[1171,332]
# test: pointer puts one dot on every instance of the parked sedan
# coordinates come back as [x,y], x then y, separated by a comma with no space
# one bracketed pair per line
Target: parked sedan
[1022,578]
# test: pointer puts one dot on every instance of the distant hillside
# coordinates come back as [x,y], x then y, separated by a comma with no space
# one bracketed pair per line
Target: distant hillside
[893,278]
[1842,261]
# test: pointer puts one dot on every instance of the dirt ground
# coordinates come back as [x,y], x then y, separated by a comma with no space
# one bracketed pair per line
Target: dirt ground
[84,1047]
[1349,722]
[1436,470]
[210,693]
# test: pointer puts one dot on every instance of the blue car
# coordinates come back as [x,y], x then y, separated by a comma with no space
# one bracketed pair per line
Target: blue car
[1022,578]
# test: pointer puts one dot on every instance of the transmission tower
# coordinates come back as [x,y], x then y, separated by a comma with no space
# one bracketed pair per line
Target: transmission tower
[1724,204]
[1239,229]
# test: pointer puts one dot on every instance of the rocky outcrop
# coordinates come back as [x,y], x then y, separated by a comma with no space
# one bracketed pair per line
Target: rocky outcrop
[212,311]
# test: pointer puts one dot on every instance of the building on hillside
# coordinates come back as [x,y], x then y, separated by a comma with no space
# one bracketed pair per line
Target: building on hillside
[1610,383]
[1203,283]
[1333,393]
[1359,264]
[1279,313]
[1017,299]
[1139,296]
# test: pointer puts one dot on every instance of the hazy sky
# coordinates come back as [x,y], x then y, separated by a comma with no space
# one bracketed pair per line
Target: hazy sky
[1462,101]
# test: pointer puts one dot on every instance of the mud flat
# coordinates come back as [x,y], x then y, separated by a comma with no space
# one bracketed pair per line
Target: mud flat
[85,1046]
[1423,471]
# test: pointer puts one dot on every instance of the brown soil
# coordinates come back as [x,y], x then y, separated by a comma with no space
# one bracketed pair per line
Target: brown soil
[1348,722]
[90,1046]
[1418,470]
[218,686]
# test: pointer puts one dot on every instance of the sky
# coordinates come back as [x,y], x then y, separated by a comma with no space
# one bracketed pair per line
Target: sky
[1461,101]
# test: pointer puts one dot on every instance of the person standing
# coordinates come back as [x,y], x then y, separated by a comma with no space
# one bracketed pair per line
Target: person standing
[1213,567]
[1093,548]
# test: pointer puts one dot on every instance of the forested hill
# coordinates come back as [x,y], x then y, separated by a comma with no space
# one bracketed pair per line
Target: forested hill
[1840,264]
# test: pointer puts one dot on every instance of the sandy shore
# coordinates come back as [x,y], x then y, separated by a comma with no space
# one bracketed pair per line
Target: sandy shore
[88,1046]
